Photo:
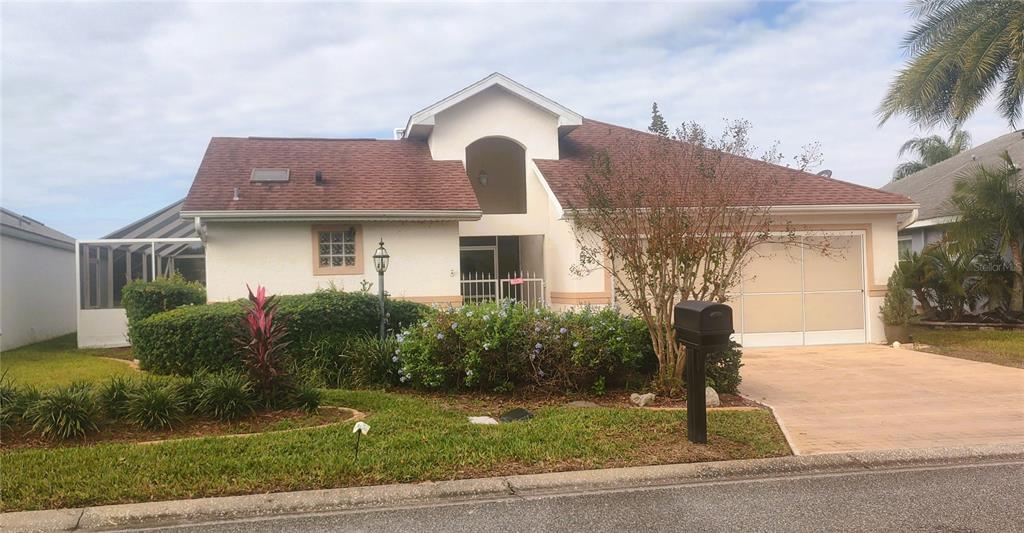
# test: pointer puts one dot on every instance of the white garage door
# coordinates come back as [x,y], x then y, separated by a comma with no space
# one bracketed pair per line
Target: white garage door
[797,295]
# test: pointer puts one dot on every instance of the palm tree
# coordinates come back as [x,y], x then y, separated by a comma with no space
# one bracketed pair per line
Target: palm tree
[960,51]
[991,204]
[931,150]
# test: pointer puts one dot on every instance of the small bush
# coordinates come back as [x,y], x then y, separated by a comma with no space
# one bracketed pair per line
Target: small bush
[190,338]
[143,299]
[897,308]
[156,405]
[307,398]
[113,396]
[226,395]
[64,413]
[723,369]
[499,346]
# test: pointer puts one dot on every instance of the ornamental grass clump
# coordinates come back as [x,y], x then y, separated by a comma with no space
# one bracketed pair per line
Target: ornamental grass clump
[64,413]
[156,404]
[8,400]
[113,396]
[307,397]
[226,396]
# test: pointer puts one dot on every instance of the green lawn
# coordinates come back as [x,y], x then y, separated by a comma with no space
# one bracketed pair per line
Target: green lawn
[411,439]
[59,362]
[1002,347]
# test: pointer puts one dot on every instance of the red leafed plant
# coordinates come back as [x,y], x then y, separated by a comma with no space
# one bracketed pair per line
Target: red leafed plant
[262,344]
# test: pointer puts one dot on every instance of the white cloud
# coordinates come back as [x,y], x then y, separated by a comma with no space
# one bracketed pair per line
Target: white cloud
[107,109]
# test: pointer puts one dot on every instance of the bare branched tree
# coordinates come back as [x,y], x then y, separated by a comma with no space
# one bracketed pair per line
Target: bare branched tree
[677,218]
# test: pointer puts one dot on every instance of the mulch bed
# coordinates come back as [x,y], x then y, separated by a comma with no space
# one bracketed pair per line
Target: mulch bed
[479,403]
[21,436]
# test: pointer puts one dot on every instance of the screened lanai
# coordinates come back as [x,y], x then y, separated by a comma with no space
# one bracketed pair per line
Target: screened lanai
[158,245]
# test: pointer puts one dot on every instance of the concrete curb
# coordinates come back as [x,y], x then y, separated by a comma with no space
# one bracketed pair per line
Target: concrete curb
[522,486]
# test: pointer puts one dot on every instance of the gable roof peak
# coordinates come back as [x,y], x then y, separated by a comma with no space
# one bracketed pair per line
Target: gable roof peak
[421,122]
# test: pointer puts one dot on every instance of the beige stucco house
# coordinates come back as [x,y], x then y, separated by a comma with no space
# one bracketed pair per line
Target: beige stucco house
[470,199]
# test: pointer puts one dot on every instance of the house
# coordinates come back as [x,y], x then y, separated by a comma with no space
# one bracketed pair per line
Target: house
[37,281]
[932,188]
[470,200]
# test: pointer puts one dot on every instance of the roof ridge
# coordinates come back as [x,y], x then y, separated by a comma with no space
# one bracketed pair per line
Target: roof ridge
[776,165]
[260,138]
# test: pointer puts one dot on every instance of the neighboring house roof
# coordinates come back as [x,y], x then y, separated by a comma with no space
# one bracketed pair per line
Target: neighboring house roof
[359,175]
[933,187]
[162,224]
[422,122]
[805,189]
[27,229]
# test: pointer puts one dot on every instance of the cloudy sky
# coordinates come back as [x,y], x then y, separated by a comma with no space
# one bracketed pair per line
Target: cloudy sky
[107,108]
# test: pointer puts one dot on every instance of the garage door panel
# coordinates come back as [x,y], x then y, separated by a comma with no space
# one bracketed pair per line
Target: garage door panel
[834,311]
[836,268]
[767,313]
[800,295]
[774,268]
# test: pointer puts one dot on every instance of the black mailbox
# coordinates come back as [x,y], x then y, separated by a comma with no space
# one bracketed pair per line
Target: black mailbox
[702,327]
[705,325]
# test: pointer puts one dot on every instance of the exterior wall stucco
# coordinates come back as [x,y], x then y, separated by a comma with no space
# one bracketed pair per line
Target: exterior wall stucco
[494,112]
[535,221]
[37,292]
[102,328]
[424,262]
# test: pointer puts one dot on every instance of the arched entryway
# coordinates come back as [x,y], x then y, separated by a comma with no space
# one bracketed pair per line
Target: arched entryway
[497,169]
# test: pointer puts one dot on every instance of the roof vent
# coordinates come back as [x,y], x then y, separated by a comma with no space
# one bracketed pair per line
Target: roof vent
[827,173]
[399,133]
[319,177]
[269,174]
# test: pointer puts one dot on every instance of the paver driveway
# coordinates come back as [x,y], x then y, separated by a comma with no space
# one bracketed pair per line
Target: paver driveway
[871,397]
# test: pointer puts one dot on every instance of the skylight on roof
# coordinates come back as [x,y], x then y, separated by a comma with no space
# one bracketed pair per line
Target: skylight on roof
[269,174]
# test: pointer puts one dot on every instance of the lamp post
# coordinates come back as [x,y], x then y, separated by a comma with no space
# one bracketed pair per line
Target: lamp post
[380,262]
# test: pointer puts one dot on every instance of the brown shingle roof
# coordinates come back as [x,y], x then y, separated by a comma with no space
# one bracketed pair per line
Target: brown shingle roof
[577,148]
[359,174]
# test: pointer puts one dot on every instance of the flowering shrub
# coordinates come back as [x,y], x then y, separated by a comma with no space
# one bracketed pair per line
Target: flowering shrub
[497,346]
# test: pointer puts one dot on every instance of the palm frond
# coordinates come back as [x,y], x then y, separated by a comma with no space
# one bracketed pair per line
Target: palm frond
[961,51]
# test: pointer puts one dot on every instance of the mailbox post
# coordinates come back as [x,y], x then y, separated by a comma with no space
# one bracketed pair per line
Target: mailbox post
[703,327]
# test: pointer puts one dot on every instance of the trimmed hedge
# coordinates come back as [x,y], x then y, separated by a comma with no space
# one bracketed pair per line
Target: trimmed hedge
[143,299]
[188,339]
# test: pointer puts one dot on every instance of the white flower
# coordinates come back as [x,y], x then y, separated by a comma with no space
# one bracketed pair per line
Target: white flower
[394,358]
[455,325]
[563,331]
[440,336]
[469,373]
[487,346]
[576,344]
[469,313]
[361,427]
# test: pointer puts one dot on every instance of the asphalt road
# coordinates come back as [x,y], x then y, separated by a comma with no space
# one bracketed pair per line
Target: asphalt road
[957,498]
